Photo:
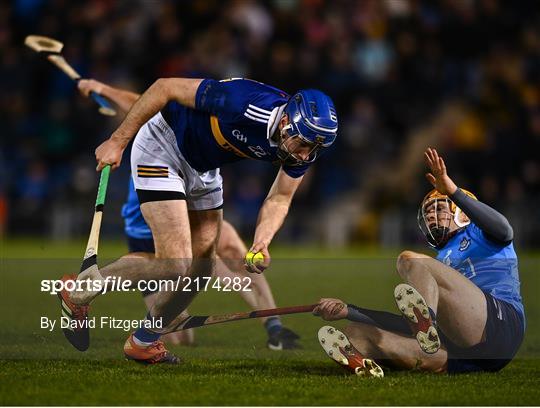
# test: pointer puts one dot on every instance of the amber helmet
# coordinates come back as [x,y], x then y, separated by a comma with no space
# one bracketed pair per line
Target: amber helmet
[435,217]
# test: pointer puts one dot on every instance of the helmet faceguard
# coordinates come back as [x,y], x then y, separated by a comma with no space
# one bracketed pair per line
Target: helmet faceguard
[435,217]
[290,158]
[312,121]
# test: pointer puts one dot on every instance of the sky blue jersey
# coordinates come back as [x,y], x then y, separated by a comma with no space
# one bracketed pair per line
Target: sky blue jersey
[134,224]
[490,266]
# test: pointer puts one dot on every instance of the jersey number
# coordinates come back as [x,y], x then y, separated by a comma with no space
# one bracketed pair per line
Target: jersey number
[257,151]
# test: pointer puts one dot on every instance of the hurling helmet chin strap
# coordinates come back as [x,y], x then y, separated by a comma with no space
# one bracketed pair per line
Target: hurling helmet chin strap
[286,128]
[289,158]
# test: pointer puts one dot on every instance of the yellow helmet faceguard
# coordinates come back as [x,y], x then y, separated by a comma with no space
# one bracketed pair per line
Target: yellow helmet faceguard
[438,234]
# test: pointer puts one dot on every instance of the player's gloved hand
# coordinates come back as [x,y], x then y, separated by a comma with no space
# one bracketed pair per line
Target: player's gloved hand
[438,177]
[257,259]
[109,152]
[331,309]
[90,85]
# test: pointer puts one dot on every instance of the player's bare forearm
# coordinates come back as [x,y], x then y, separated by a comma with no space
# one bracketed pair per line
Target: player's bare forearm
[146,106]
[123,98]
[275,208]
[182,90]
[271,217]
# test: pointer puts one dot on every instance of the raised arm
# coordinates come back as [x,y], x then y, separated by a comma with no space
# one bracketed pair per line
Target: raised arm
[493,224]
[182,90]
[121,97]
[272,214]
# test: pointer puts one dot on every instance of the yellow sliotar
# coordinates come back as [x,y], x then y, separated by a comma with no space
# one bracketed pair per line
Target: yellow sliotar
[254,258]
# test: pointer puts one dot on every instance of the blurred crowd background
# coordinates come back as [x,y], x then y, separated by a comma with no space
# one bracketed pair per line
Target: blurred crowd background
[460,75]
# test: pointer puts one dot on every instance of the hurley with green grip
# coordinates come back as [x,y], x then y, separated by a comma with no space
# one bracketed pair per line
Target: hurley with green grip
[77,331]
[90,255]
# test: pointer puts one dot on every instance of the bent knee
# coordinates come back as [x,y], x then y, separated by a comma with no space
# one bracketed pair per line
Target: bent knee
[205,251]
[407,259]
[407,256]
[203,263]
[175,267]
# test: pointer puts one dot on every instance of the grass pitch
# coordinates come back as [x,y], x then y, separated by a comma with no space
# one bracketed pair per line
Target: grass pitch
[230,364]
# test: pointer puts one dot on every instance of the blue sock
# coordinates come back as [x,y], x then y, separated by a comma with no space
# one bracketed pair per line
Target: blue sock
[145,336]
[433,316]
[273,325]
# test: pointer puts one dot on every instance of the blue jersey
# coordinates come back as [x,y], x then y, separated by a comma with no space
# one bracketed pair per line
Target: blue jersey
[134,224]
[490,266]
[233,120]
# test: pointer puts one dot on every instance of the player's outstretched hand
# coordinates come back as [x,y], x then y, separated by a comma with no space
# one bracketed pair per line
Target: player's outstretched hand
[109,152]
[90,85]
[331,309]
[438,177]
[257,259]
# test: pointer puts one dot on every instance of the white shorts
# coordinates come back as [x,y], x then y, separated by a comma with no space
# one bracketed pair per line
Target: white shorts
[157,165]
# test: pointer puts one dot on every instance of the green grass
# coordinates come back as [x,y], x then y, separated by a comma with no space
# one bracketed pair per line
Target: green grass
[230,364]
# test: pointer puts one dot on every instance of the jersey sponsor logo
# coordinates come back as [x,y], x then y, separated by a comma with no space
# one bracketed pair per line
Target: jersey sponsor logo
[148,171]
[464,244]
[237,134]
[257,114]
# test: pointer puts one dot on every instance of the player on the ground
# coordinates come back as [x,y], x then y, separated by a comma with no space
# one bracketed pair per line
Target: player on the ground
[230,248]
[463,308]
[185,130]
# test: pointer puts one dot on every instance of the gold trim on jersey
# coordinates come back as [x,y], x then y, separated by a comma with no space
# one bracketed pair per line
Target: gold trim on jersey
[220,139]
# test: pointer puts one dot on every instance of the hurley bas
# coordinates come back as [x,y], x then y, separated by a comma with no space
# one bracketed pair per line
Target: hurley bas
[103,322]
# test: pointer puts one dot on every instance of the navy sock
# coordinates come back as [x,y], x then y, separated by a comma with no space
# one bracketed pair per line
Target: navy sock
[273,325]
[383,320]
[144,335]
[433,316]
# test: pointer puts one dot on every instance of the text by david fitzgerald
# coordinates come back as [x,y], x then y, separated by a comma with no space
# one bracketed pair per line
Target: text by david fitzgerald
[107,322]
